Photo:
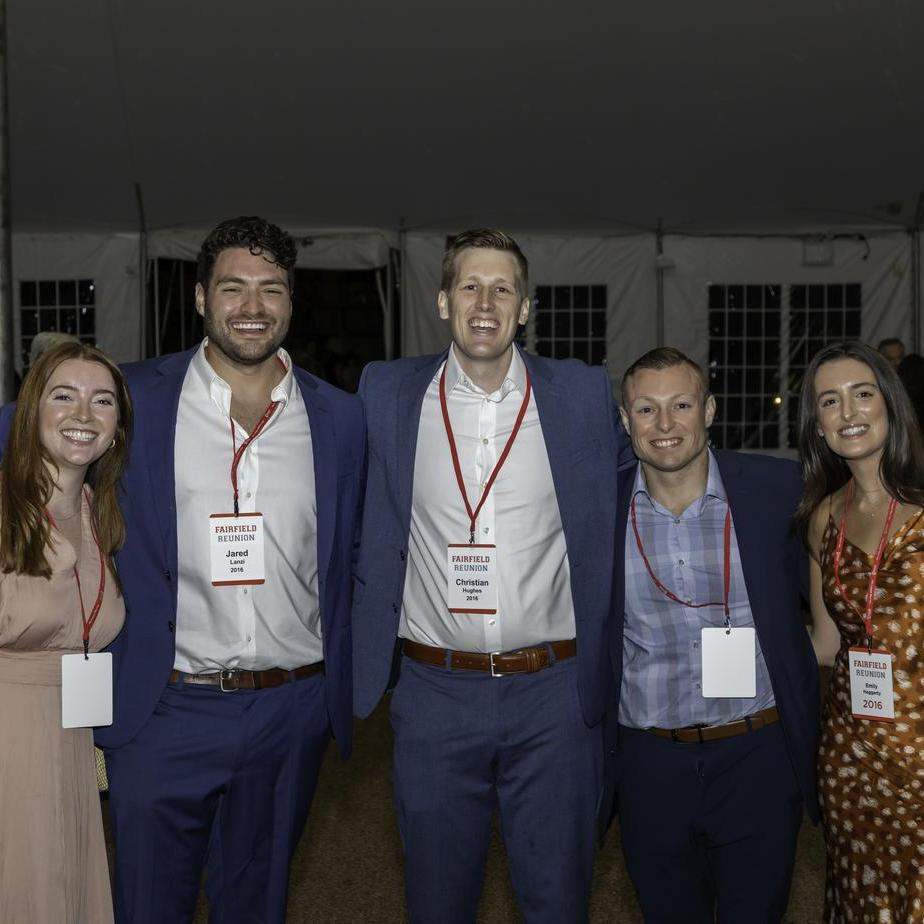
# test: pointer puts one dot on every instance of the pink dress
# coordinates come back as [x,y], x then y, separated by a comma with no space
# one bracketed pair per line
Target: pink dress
[53,867]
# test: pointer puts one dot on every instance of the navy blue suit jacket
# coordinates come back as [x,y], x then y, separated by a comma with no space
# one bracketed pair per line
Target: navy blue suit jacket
[143,653]
[763,494]
[583,437]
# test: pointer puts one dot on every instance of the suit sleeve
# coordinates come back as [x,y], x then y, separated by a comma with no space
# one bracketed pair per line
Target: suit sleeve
[625,457]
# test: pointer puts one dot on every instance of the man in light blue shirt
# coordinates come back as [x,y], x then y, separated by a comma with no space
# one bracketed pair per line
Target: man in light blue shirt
[716,683]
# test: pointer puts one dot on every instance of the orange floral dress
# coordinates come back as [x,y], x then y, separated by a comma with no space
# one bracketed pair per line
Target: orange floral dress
[871,774]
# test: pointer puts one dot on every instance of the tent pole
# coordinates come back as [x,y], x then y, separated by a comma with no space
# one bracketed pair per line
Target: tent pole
[659,278]
[7,351]
[915,240]
[402,268]
[389,309]
[142,273]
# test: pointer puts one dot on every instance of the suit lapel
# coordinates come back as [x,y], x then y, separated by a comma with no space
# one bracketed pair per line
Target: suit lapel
[747,519]
[410,400]
[324,455]
[562,432]
[164,398]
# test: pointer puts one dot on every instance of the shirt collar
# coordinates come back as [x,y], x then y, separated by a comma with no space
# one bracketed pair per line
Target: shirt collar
[220,391]
[715,487]
[515,380]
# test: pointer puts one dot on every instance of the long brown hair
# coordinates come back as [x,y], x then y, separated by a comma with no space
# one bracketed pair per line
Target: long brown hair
[901,466]
[26,483]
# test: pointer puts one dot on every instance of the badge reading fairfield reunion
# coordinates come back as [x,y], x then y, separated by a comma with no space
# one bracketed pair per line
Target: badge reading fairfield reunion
[471,572]
[236,548]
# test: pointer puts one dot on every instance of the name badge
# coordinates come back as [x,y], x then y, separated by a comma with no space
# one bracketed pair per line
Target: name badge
[729,663]
[236,549]
[471,572]
[86,690]
[872,695]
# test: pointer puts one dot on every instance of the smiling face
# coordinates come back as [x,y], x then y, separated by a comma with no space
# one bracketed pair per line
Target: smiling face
[850,410]
[78,414]
[484,305]
[667,416]
[247,308]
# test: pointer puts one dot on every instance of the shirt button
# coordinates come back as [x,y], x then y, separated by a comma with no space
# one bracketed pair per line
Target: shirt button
[249,494]
[485,440]
[245,590]
[690,602]
[492,622]
[249,638]
[696,644]
[486,530]
[696,685]
[676,520]
[681,562]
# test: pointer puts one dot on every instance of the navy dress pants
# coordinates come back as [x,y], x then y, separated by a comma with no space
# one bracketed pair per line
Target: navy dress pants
[219,782]
[467,743]
[709,830]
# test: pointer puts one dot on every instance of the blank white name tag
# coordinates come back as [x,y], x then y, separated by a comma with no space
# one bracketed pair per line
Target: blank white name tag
[86,690]
[236,548]
[729,663]
[471,574]
[872,695]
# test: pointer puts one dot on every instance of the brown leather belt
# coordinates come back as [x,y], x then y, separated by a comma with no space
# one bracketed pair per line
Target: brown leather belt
[233,680]
[699,733]
[521,661]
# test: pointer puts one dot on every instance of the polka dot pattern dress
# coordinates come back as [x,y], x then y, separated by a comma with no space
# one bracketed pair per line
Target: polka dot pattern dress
[871,774]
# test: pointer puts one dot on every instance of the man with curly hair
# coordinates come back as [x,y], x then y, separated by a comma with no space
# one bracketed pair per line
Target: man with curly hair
[234,667]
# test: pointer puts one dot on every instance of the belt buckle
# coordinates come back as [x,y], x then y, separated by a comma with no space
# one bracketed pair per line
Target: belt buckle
[231,677]
[495,673]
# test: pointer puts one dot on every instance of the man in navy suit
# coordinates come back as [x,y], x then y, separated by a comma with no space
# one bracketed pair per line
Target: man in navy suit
[234,666]
[483,595]
[716,706]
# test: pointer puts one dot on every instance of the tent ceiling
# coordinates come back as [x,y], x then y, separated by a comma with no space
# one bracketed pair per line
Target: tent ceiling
[586,115]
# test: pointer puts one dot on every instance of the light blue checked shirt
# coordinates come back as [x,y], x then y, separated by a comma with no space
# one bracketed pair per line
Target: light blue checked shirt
[662,660]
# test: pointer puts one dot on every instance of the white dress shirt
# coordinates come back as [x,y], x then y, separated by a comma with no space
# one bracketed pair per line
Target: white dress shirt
[520,517]
[276,624]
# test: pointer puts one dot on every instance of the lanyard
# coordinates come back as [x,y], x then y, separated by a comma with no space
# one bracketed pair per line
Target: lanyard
[88,622]
[473,514]
[238,451]
[867,614]
[669,593]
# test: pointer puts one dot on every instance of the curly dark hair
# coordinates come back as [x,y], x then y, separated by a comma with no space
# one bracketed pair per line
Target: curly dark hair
[258,235]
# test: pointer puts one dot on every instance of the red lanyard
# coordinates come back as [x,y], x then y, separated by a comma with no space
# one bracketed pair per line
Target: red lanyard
[669,593]
[473,514]
[88,622]
[257,430]
[867,615]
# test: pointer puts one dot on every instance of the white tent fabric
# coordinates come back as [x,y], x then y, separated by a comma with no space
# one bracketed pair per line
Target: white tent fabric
[882,265]
[110,260]
[625,264]
[318,248]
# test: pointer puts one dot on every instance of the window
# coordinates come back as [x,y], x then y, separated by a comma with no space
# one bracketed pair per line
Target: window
[569,322]
[761,338]
[64,305]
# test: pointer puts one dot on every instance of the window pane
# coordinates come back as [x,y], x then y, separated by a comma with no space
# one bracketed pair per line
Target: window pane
[562,298]
[716,296]
[48,294]
[67,292]
[598,297]
[86,292]
[27,295]
[88,320]
[580,297]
